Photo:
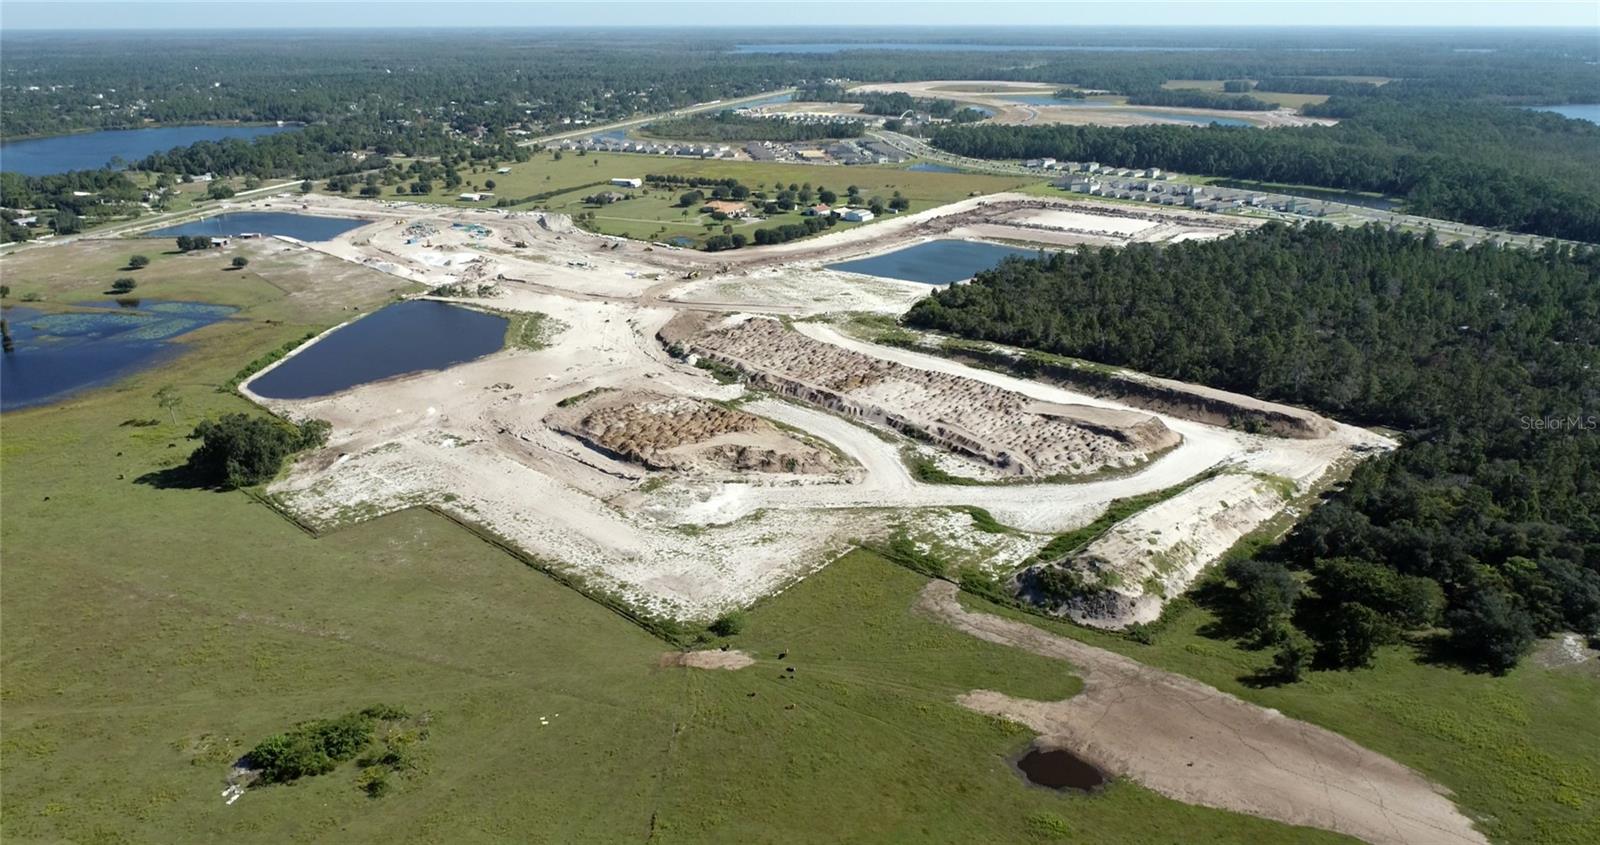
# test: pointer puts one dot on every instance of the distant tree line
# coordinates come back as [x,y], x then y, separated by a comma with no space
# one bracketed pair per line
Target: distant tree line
[1485,522]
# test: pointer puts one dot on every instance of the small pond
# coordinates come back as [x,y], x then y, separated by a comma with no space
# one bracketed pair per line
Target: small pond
[932,167]
[52,356]
[1058,768]
[407,337]
[938,262]
[94,150]
[305,227]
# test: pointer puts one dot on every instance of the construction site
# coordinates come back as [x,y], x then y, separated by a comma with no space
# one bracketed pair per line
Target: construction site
[701,430]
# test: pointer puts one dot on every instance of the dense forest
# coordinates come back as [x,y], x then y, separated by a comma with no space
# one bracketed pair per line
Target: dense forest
[1486,521]
[729,125]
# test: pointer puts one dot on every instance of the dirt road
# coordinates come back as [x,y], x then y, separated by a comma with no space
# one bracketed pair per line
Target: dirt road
[1199,745]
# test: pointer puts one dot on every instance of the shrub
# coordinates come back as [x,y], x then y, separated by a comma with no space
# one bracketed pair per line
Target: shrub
[1488,629]
[138,261]
[239,262]
[728,624]
[124,285]
[239,450]
[317,747]
[1295,651]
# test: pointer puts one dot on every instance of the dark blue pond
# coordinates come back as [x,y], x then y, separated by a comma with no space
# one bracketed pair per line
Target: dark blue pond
[56,355]
[93,150]
[305,227]
[930,167]
[407,337]
[935,262]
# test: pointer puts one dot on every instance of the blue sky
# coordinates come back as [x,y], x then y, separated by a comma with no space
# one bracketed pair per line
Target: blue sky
[262,14]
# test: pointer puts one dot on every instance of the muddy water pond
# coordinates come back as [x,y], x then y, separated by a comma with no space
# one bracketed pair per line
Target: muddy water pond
[939,262]
[48,357]
[305,227]
[1058,768]
[404,338]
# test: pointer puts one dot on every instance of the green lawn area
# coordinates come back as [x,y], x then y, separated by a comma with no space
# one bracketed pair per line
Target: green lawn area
[1292,101]
[653,214]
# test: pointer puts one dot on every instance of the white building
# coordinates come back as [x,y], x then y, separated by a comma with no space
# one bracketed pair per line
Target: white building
[856,215]
[627,182]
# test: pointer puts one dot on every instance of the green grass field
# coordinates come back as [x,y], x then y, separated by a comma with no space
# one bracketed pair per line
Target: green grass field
[653,214]
[150,636]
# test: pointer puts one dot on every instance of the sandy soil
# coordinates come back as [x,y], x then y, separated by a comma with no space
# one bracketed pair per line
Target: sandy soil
[730,660]
[475,440]
[992,95]
[1198,745]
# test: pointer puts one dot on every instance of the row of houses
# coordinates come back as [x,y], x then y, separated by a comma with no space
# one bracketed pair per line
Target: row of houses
[1095,168]
[624,145]
[1201,197]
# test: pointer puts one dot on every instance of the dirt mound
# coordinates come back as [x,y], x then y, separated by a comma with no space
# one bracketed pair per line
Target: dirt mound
[683,434]
[1004,429]
[1129,573]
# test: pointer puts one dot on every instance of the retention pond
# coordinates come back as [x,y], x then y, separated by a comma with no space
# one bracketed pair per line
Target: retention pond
[404,338]
[939,262]
[304,227]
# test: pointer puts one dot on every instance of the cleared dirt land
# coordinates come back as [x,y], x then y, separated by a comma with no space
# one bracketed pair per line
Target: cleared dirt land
[1202,746]
[539,448]
[997,97]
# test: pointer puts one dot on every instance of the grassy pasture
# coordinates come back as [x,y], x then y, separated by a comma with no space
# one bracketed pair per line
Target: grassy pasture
[653,214]
[149,636]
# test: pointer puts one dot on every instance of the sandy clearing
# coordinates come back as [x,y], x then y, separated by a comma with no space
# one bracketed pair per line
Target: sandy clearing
[730,659]
[1082,221]
[474,442]
[1196,744]
[992,94]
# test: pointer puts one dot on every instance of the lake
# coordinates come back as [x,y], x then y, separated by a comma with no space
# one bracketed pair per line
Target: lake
[1577,111]
[94,150]
[56,355]
[305,227]
[403,338]
[940,262]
